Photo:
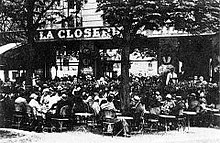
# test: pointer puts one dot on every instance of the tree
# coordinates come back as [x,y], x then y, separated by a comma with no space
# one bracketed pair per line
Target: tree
[130,16]
[28,16]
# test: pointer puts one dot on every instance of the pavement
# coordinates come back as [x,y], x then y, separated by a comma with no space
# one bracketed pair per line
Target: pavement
[194,135]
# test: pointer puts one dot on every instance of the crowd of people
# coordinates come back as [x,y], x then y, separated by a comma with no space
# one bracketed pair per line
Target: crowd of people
[62,97]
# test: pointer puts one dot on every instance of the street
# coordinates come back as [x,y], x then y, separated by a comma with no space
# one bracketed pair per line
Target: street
[195,135]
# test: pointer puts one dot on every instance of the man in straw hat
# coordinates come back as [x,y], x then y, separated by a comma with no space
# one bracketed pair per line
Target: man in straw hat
[35,105]
[168,104]
[137,108]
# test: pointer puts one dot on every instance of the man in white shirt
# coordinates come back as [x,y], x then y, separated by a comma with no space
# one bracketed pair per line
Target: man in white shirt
[21,104]
[95,105]
[35,105]
[102,81]
[109,105]
[171,77]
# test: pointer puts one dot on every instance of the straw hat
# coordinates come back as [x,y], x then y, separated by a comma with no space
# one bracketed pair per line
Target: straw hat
[193,94]
[64,96]
[59,88]
[46,90]
[136,98]
[96,94]
[202,94]
[169,96]
[96,98]
[203,100]
[34,96]
[102,79]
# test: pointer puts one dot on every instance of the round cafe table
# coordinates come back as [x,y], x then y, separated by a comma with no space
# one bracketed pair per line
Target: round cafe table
[189,113]
[123,118]
[217,114]
[84,115]
[212,110]
[118,114]
[60,122]
[166,117]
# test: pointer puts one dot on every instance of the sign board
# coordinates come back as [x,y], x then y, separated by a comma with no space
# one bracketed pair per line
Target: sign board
[89,33]
[147,68]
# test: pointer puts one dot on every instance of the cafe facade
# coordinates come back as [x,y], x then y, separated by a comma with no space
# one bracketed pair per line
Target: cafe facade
[89,50]
[92,50]
[87,47]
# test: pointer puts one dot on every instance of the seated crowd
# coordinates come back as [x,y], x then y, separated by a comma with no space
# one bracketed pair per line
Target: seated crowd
[63,98]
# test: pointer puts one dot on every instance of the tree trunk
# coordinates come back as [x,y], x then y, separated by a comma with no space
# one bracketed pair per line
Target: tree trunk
[30,35]
[125,88]
[219,70]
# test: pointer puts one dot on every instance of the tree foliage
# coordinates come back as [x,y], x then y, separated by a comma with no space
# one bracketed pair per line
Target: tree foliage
[187,15]
[133,16]
[14,14]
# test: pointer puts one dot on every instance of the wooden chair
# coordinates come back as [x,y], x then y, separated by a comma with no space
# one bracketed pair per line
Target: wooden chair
[18,116]
[29,117]
[108,121]
[167,121]
[150,123]
[64,112]
[59,123]
[181,122]
[64,117]
[17,120]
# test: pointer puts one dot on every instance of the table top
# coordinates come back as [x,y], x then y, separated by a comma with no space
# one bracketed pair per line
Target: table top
[60,119]
[217,114]
[146,112]
[125,117]
[118,114]
[83,114]
[212,109]
[189,113]
[167,116]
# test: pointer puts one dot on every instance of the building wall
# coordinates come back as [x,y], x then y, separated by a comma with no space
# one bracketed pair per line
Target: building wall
[90,16]
[2,76]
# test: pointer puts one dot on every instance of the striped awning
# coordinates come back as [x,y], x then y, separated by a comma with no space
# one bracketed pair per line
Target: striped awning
[8,47]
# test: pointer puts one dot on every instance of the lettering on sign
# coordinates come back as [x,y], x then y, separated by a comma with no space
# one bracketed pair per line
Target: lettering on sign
[76,33]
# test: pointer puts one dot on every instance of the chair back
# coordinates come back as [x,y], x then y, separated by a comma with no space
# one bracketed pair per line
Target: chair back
[109,114]
[29,111]
[64,111]
[108,121]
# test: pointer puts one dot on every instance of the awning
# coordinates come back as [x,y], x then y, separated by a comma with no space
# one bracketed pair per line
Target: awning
[9,55]
[14,56]
[8,47]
